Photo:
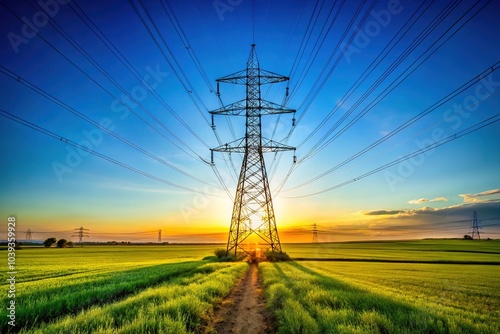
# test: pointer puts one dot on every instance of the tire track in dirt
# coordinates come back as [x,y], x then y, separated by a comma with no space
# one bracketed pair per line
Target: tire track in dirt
[243,311]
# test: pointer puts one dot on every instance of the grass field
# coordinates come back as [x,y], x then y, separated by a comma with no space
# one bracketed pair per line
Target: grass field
[171,289]
[419,250]
[77,290]
[366,296]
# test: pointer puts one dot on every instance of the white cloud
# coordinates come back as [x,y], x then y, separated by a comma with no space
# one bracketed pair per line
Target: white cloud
[451,221]
[476,198]
[383,212]
[424,200]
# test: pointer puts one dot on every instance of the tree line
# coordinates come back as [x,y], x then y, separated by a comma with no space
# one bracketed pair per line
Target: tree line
[61,243]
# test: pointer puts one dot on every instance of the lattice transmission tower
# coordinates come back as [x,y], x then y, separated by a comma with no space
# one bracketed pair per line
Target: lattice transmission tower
[28,235]
[253,211]
[475,226]
[315,233]
[81,233]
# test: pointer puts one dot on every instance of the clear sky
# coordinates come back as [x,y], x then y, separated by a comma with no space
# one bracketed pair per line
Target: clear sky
[373,83]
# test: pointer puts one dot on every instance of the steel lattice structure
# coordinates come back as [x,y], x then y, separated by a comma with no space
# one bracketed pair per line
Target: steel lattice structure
[315,233]
[81,233]
[253,211]
[28,235]
[475,227]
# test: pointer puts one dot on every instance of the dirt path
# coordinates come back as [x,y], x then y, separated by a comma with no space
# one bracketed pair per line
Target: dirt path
[243,311]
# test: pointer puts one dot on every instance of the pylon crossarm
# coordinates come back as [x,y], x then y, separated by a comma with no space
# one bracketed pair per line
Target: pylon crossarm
[239,78]
[236,146]
[269,145]
[268,77]
[271,108]
[233,109]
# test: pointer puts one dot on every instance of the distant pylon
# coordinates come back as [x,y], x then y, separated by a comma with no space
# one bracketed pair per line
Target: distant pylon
[315,233]
[159,236]
[475,226]
[253,211]
[81,233]
[28,235]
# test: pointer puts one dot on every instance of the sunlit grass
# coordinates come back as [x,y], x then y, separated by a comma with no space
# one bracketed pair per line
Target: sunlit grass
[56,285]
[420,250]
[34,263]
[45,300]
[318,297]
[170,289]
[179,305]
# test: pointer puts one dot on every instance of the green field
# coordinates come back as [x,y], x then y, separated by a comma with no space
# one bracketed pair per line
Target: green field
[446,286]
[425,286]
[419,250]
[142,289]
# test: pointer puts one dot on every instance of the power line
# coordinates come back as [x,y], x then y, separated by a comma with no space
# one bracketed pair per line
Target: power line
[317,147]
[403,76]
[38,232]
[351,90]
[473,81]
[28,235]
[322,78]
[97,83]
[189,48]
[116,52]
[475,226]
[107,91]
[432,146]
[395,146]
[313,19]
[81,233]
[95,29]
[373,65]
[277,158]
[106,74]
[58,102]
[347,45]
[68,38]
[186,83]
[182,35]
[126,233]
[86,149]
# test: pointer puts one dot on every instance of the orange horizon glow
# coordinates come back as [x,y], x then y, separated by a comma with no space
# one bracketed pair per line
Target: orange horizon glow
[365,225]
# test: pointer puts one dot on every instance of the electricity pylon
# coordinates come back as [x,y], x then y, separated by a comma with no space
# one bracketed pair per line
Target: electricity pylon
[475,226]
[253,211]
[315,233]
[28,235]
[159,236]
[81,233]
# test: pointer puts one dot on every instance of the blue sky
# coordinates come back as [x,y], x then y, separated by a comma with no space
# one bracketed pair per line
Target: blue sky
[323,46]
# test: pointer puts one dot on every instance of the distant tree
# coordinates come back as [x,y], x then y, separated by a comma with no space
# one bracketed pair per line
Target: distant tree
[70,244]
[62,243]
[467,237]
[49,242]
